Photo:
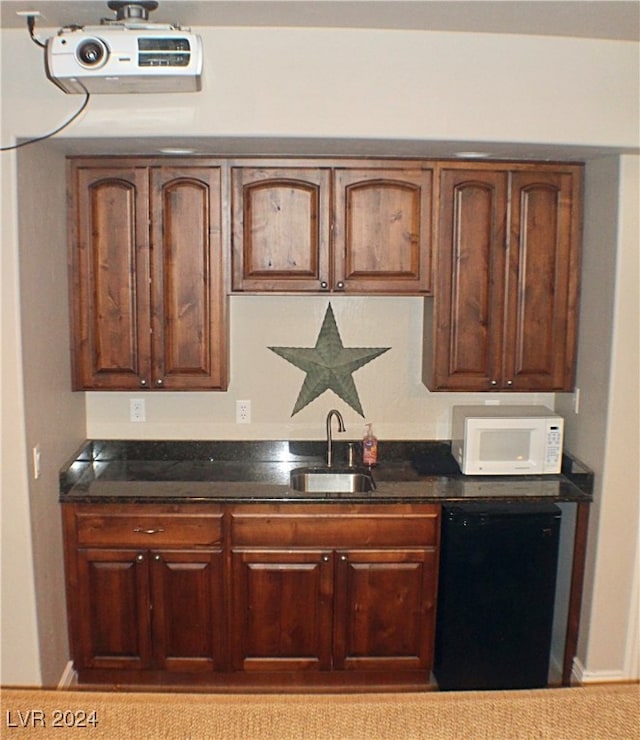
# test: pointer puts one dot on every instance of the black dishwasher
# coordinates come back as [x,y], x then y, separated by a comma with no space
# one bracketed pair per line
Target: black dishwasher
[496,594]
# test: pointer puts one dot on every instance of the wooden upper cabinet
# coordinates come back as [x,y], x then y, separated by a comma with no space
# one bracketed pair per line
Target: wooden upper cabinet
[188,285]
[280,228]
[542,278]
[315,228]
[147,279]
[505,311]
[471,241]
[110,314]
[382,230]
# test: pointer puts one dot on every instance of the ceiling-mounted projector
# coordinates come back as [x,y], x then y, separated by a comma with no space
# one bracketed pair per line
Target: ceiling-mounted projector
[125,55]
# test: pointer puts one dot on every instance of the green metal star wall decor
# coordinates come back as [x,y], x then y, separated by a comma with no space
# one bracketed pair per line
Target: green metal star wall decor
[329,365]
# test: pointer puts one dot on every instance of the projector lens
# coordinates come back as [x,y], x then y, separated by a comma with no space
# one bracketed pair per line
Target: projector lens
[92,53]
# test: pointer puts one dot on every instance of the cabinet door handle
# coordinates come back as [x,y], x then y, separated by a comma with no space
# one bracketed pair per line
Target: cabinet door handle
[142,530]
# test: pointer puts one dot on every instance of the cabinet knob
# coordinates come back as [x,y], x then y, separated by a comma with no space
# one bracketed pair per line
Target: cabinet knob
[340,285]
[325,558]
[143,382]
[494,382]
[509,383]
[343,558]
[140,557]
[324,284]
[159,381]
[157,558]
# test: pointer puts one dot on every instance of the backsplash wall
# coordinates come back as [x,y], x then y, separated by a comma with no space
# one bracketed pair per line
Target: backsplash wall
[390,387]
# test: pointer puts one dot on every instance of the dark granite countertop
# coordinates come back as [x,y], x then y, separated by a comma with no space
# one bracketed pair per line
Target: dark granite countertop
[122,471]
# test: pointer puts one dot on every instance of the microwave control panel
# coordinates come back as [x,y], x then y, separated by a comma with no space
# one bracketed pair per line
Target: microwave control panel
[553,447]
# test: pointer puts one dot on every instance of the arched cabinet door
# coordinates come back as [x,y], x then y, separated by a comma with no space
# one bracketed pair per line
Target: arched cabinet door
[470,285]
[147,282]
[187,279]
[317,226]
[382,230]
[280,228]
[109,276]
[506,297]
[542,296]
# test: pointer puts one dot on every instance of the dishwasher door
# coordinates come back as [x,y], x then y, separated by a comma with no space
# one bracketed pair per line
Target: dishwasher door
[496,594]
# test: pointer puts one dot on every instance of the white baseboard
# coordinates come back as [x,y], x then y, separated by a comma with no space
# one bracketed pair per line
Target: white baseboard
[580,675]
[68,677]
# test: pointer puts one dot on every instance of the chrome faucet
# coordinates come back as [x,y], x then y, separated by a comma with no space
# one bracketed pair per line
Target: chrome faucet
[341,428]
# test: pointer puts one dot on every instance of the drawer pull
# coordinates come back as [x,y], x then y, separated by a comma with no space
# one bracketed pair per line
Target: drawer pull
[142,530]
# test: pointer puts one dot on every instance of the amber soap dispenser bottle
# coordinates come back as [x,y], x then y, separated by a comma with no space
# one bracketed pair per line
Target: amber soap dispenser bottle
[369,447]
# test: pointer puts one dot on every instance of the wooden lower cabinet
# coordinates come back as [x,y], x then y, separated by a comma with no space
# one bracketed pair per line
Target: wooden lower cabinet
[199,594]
[149,609]
[384,609]
[188,615]
[145,588]
[341,588]
[112,597]
[346,610]
[282,610]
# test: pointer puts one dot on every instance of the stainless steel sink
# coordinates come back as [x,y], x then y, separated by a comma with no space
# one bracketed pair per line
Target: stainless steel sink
[331,480]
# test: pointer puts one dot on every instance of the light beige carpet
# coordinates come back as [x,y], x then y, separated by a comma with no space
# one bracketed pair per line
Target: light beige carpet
[589,713]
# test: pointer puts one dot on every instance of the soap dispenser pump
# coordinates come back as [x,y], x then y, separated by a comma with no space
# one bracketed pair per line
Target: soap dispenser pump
[369,447]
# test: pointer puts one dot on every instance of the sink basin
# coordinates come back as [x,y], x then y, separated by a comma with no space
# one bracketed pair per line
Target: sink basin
[330,480]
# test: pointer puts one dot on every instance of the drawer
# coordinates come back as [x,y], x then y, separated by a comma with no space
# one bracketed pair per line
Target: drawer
[148,529]
[392,526]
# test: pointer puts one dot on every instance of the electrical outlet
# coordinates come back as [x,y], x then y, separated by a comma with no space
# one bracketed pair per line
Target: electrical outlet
[36,462]
[137,410]
[243,412]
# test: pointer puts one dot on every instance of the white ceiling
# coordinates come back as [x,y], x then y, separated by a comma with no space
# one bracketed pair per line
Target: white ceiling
[608,19]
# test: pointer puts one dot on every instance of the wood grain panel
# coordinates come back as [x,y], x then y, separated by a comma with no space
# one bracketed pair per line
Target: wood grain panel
[281,219]
[338,528]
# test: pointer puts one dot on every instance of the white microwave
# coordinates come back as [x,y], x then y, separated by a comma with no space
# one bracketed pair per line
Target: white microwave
[507,440]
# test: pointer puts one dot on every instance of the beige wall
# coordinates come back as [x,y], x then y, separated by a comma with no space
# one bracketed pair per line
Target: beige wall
[264,88]
[608,372]
[19,644]
[390,387]
[55,417]
[364,84]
